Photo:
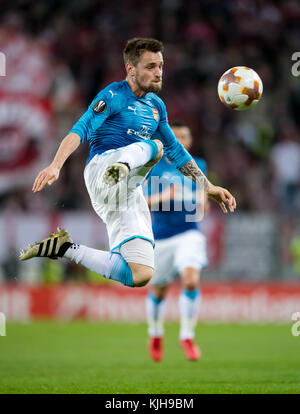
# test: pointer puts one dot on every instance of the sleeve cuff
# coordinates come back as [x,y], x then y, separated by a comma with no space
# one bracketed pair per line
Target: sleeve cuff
[78,132]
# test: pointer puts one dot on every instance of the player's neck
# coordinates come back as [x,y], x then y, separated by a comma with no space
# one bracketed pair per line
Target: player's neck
[135,88]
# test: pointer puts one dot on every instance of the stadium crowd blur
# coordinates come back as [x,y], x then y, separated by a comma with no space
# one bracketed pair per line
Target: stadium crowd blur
[64,52]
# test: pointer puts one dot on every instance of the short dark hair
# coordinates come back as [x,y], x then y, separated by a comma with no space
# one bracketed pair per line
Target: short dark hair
[137,46]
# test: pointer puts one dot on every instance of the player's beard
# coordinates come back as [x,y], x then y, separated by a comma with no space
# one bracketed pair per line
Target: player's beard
[154,87]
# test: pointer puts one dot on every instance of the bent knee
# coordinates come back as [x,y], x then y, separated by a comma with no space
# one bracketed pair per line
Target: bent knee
[190,285]
[159,145]
[190,278]
[141,278]
[160,149]
[159,154]
[141,274]
[159,291]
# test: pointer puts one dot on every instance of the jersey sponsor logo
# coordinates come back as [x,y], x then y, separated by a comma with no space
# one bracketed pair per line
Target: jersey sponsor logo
[99,107]
[143,133]
[155,114]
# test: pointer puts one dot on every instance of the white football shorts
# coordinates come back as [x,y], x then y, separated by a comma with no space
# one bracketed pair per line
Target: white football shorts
[172,255]
[122,207]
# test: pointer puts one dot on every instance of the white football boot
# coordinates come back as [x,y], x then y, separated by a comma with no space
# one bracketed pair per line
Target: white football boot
[116,173]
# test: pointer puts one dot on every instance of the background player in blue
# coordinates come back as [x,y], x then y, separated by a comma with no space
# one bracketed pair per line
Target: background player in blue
[127,129]
[180,250]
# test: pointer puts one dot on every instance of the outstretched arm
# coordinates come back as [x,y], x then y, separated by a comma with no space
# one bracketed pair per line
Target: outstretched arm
[218,194]
[50,174]
[102,106]
[187,166]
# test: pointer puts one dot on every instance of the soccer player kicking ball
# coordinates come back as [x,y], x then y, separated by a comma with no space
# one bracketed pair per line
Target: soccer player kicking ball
[127,129]
[180,249]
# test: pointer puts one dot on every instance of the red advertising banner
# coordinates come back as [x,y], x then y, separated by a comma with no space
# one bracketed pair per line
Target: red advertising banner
[221,302]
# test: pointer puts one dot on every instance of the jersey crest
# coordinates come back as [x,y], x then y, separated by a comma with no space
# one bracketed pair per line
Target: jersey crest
[155,114]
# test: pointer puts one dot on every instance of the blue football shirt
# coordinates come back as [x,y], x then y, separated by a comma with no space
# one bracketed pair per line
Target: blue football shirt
[116,118]
[171,219]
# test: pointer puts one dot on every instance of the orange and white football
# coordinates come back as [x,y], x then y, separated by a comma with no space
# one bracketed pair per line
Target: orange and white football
[240,88]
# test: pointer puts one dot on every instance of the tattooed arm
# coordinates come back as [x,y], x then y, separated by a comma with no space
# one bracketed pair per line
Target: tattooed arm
[191,170]
[218,194]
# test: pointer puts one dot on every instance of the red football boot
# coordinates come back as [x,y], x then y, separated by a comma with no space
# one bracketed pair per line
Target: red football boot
[191,350]
[156,348]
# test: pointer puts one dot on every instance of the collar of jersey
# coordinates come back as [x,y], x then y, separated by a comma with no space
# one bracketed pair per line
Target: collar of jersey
[144,99]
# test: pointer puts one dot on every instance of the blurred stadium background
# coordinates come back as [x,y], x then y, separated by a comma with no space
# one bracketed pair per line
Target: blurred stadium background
[59,54]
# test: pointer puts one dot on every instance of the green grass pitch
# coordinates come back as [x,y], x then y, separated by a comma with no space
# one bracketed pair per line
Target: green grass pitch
[108,358]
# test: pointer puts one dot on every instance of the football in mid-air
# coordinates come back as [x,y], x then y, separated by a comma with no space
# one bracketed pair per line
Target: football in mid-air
[240,88]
